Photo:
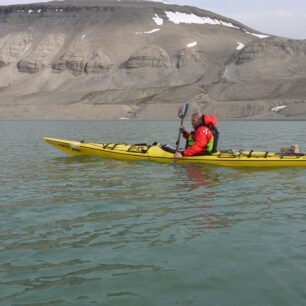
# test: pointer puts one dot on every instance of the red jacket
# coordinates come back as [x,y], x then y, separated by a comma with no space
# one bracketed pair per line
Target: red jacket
[202,135]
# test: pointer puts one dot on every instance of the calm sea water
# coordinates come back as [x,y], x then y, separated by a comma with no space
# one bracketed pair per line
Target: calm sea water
[82,231]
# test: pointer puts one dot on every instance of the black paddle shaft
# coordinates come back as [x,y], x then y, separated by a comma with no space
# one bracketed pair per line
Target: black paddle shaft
[179,138]
[182,114]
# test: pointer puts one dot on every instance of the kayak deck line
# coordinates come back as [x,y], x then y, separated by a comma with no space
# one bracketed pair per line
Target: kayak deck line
[111,150]
[156,153]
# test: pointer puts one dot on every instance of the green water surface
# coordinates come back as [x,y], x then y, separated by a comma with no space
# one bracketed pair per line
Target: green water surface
[86,231]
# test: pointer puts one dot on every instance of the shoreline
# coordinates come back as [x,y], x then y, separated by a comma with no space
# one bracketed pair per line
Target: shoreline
[149,120]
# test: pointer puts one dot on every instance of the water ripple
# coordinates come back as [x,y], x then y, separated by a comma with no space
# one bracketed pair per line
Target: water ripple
[77,231]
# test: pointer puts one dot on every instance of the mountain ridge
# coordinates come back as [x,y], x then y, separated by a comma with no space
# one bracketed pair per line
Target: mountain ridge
[112,59]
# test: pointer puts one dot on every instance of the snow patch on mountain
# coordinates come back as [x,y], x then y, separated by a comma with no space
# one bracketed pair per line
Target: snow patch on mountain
[191,45]
[278,108]
[152,31]
[240,46]
[148,32]
[257,35]
[178,17]
[159,21]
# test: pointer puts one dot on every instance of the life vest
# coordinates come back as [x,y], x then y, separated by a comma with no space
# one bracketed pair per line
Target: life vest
[208,148]
[190,140]
[210,122]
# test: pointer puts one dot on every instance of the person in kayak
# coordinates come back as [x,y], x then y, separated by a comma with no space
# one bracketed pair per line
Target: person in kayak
[203,140]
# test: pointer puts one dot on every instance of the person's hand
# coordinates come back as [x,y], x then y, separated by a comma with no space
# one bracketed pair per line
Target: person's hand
[182,128]
[177,155]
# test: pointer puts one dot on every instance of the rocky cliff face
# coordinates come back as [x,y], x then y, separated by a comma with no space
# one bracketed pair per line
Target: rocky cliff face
[42,53]
[150,57]
[270,58]
[272,69]
[95,59]
[82,61]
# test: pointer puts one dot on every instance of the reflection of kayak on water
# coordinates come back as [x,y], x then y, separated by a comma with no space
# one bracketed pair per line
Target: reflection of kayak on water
[158,153]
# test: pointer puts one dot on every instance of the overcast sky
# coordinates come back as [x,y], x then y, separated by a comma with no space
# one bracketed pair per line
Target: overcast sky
[281,17]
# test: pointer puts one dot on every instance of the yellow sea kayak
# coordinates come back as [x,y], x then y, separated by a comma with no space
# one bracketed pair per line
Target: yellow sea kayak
[143,152]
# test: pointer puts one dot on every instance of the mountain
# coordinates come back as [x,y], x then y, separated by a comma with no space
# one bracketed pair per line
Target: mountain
[138,59]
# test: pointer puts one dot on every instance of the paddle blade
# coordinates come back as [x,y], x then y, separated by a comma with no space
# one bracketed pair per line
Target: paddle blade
[183,110]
